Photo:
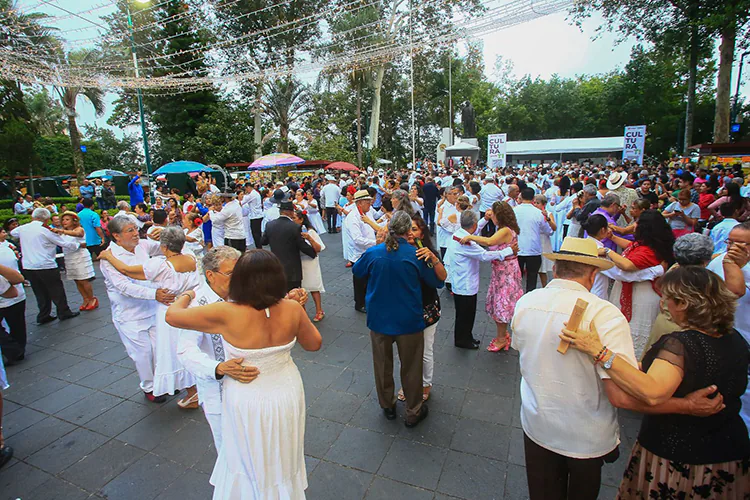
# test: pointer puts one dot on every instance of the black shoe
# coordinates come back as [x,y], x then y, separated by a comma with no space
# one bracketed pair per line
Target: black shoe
[12,361]
[72,314]
[6,453]
[470,346]
[476,342]
[361,309]
[422,415]
[155,399]
[44,321]
[390,413]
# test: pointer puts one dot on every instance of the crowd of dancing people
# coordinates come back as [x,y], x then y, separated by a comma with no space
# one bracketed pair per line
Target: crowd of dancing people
[655,259]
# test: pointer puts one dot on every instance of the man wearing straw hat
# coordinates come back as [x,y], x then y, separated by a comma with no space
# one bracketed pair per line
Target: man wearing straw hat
[568,403]
[361,237]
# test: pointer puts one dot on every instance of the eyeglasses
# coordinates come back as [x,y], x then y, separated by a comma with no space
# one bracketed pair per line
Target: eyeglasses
[228,275]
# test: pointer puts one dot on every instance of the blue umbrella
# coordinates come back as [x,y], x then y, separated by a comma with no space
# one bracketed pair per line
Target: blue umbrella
[182,167]
[106,174]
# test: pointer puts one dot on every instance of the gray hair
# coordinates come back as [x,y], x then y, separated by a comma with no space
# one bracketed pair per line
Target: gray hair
[468,219]
[214,257]
[693,249]
[41,214]
[566,269]
[610,199]
[400,225]
[118,223]
[589,189]
[172,238]
[403,201]
[123,205]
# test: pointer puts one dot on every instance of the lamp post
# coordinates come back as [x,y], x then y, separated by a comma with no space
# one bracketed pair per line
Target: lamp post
[736,106]
[144,133]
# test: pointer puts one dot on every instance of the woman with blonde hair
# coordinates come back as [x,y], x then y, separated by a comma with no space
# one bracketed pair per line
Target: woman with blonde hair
[78,264]
[685,455]
[505,283]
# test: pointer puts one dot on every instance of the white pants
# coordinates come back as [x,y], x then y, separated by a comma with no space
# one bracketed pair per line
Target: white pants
[214,421]
[428,358]
[139,339]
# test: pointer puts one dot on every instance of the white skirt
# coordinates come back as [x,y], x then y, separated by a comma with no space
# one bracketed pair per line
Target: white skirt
[645,310]
[546,248]
[312,278]
[169,373]
[78,265]
[263,434]
[316,221]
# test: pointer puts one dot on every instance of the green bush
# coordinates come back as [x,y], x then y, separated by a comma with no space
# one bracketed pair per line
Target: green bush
[68,200]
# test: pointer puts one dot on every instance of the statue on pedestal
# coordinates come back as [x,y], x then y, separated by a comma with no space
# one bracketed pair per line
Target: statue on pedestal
[467,120]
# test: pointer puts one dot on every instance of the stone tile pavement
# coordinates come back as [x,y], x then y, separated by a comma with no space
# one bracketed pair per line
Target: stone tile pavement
[81,427]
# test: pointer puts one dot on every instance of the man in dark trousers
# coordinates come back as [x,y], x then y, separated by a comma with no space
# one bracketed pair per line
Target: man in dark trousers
[431,195]
[286,241]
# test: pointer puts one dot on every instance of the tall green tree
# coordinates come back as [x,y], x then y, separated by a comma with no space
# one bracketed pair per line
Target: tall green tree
[69,99]
[46,113]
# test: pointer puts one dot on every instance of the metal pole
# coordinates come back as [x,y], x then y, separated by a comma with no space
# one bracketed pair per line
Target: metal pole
[144,133]
[736,107]
[411,70]
[450,93]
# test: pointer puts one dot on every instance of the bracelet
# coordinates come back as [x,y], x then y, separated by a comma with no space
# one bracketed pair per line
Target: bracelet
[185,294]
[601,356]
[603,349]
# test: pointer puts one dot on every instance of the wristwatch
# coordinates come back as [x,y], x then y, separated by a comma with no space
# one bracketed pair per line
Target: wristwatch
[608,364]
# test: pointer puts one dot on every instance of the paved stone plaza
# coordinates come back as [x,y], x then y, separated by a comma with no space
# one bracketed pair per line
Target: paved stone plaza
[81,427]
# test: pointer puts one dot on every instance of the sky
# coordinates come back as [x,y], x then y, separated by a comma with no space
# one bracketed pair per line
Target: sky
[542,47]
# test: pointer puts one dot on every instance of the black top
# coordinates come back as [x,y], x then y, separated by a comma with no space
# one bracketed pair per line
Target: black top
[705,360]
[431,194]
[285,238]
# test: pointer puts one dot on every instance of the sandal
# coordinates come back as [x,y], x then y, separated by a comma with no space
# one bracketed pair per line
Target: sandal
[426,392]
[190,403]
[401,396]
[319,316]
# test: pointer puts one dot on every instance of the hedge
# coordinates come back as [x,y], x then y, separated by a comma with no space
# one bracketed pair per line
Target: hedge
[69,200]
[6,214]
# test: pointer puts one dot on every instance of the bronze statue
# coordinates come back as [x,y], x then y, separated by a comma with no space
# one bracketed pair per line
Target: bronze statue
[467,119]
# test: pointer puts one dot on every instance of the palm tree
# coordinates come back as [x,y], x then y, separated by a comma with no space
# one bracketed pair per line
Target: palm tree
[68,99]
[286,101]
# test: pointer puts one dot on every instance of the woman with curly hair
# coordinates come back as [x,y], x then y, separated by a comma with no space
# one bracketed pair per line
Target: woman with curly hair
[685,456]
[639,301]
[505,283]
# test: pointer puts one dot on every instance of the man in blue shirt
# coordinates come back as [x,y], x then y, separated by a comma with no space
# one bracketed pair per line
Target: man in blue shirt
[720,231]
[135,190]
[92,227]
[86,189]
[395,313]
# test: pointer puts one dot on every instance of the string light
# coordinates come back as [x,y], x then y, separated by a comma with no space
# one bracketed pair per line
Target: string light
[375,47]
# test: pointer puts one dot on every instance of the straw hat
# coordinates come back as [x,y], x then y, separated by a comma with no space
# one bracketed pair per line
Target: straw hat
[582,250]
[71,213]
[362,194]
[616,179]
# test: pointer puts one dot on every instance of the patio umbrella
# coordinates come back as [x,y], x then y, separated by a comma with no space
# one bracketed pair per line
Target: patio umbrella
[342,165]
[105,173]
[182,167]
[274,160]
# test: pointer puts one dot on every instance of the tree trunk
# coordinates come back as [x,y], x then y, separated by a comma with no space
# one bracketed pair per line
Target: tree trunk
[359,124]
[75,144]
[257,125]
[724,80]
[692,75]
[375,115]
[283,137]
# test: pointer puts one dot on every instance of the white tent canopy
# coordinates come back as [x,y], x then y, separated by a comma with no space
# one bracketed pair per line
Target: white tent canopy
[562,146]
[462,149]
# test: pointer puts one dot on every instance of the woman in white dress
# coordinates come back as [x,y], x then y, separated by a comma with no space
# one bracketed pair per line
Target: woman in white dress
[312,278]
[177,272]
[191,225]
[263,422]
[217,227]
[313,213]
[78,265]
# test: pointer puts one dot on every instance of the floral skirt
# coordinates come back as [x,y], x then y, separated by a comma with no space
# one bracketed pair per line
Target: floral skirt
[649,476]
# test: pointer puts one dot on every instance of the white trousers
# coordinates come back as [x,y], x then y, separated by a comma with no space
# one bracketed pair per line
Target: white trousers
[139,339]
[428,358]
[214,421]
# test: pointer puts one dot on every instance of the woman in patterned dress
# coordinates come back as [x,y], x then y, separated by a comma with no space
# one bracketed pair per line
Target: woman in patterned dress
[505,284]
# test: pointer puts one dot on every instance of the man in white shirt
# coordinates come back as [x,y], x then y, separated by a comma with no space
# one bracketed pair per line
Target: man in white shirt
[252,209]
[532,224]
[512,198]
[361,237]
[132,301]
[568,403]
[39,244]
[489,194]
[330,194]
[464,263]
[229,216]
